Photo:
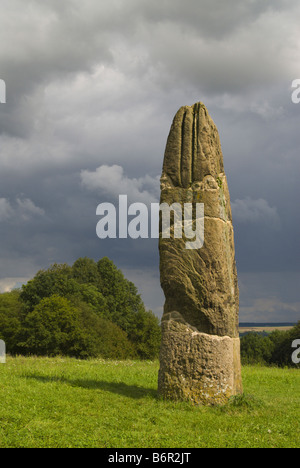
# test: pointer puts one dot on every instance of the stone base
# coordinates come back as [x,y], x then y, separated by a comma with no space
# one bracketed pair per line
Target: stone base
[197,367]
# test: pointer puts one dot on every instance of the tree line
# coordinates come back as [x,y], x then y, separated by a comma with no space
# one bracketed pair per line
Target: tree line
[271,349]
[90,309]
[85,310]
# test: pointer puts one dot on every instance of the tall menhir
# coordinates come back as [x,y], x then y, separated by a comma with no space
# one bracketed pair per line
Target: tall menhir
[200,351]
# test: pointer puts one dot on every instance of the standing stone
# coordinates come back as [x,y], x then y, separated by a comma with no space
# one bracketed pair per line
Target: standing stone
[200,350]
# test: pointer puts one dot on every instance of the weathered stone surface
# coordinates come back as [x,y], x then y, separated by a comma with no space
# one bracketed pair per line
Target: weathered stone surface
[200,345]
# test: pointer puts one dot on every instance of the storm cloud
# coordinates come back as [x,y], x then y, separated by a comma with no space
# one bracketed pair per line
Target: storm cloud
[92,88]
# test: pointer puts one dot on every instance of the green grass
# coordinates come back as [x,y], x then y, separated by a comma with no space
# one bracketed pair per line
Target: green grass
[69,403]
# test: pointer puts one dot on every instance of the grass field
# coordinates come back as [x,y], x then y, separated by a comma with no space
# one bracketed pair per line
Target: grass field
[69,403]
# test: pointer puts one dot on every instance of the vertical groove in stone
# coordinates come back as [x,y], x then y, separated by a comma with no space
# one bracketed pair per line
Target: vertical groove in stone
[194,148]
[172,159]
[187,148]
[198,155]
[182,148]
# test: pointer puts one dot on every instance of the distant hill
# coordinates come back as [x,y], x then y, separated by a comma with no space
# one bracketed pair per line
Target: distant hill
[268,327]
[268,324]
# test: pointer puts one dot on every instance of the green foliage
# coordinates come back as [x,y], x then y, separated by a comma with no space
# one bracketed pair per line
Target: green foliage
[256,348]
[146,335]
[57,280]
[272,349]
[121,295]
[89,294]
[100,337]
[86,310]
[281,355]
[10,318]
[85,271]
[52,328]
[126,309]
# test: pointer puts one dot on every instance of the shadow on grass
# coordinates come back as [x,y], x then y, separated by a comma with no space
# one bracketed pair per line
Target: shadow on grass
[130,391]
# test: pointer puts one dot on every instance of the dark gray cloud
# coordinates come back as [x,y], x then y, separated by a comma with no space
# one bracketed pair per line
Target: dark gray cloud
[92,88]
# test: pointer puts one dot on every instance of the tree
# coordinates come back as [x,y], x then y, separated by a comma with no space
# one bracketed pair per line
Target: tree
[57,280]
[56,327]
[256,348]
[146,335]
[89,294]
[52,328]
[103,338]
[94,290]
[85,271]
[127,310]
[121,295]
[11,310]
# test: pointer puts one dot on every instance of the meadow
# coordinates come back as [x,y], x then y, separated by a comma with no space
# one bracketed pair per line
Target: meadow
[70,403]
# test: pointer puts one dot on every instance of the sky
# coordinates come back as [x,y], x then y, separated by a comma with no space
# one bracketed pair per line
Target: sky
[91,91]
